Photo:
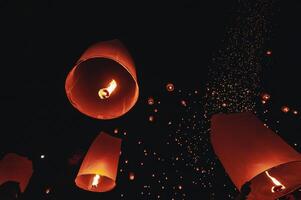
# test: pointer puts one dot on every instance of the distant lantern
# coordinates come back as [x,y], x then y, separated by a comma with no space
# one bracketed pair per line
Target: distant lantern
[151,118]
[285,109]
[99,168]
[131,176]
[295,112]
[265,96]
[150,101]
[103,83]
[15,168]
[170,87]
[250,152]
[269,52]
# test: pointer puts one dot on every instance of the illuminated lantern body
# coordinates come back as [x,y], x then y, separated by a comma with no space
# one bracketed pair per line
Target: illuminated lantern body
[15,168]
[103,83]
[170,87]
[99,168]
[251,152]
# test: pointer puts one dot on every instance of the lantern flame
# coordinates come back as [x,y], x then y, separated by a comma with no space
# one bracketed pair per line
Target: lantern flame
[105,93]
[95,181]
[278,186]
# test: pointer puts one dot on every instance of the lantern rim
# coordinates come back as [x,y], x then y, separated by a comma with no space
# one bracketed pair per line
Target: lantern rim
[83,180]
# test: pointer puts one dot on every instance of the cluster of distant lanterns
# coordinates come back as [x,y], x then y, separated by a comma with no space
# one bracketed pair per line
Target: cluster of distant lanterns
[265,97]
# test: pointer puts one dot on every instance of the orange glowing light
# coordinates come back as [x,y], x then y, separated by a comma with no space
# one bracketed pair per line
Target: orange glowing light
[150,101]
[151,118]
[95,181]
[105,93]
[269,52]
[278,187]
[265,96]
[170,87]
[285,109]
[131,176]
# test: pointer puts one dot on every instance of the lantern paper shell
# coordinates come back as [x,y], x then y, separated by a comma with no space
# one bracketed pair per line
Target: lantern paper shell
[101,160]
[15,168]
[98,66]
[247,149]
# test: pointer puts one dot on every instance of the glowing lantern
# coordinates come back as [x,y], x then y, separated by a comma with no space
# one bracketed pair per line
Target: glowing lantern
[131,176]
[295,112]
[150,101]
[15,168]
[251,152]
[170,87]
[269,52]
[103,83]
[285,109]
[265,96]
[151,118]
[99,168]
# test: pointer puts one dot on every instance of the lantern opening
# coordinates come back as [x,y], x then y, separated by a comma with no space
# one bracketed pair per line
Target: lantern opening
[95,182]
[91,87]
[105,93]
[278,187]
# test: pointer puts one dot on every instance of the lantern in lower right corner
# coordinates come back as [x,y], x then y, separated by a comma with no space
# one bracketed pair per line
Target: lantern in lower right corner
[250,152]
[98,171]
[16,168]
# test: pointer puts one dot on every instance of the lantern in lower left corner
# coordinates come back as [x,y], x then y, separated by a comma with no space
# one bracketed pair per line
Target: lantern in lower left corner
[98,171]
[15,168]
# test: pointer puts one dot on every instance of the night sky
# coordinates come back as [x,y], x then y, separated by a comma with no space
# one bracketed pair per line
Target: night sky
[219,55]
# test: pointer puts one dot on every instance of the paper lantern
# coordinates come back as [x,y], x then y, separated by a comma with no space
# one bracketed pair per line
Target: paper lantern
[15,168]
[251,152]
[103,83]
[99,168]
[170,87]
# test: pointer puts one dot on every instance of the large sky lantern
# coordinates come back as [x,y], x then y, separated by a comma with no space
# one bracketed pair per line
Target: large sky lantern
[249,151]
[103,82]
[16,168]
[98,171]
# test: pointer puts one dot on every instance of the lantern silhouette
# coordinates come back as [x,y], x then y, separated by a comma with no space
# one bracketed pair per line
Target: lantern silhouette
[15,168]
[103,83]
[99,168]
[249,151]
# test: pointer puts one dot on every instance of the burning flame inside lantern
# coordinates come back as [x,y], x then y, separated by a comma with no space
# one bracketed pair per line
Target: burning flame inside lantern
[278,186]
[105,93]
[95,181]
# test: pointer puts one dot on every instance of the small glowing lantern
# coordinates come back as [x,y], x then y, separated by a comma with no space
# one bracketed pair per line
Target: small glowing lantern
[99,168]
[285,109]
[15,168]
[265,96]
[250,152]
[131,176]
[103,83]
[170,87]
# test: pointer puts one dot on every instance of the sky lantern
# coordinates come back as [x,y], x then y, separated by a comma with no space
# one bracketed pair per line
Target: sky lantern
[103,82]
[15,168]
[150,101]
[131,176]
[170,87]
[285,109]
[265,97]
[98,171]
[250,152]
